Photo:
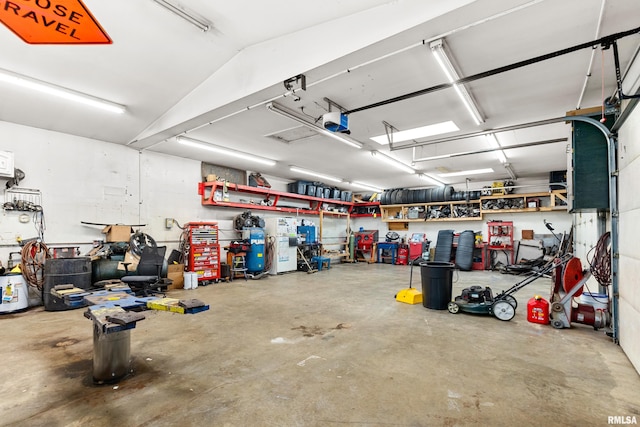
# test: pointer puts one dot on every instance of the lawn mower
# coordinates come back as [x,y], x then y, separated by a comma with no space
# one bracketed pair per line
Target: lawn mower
[480,300]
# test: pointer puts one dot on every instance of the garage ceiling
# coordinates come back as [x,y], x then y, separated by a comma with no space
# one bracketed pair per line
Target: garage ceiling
[214,86]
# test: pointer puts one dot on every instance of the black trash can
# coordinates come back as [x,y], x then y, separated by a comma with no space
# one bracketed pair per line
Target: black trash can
[63,271]
[436,284]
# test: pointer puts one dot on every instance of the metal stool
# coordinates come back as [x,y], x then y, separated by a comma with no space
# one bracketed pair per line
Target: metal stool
[238,266]
[322,262]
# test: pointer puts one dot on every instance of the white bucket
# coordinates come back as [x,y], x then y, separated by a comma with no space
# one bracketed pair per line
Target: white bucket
[598,301]
[190,280]
[187,280]
[14,293]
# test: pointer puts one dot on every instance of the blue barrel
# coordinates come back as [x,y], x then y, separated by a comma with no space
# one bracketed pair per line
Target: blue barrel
[255,256]
[436,284]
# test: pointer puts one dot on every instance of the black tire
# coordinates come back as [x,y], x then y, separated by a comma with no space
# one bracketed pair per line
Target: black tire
[428,198]
[437,194]
[402,196]
[444,244]
[395,197]
[447,193]
[384,199]
[406,196]
[413,194]
[464,252]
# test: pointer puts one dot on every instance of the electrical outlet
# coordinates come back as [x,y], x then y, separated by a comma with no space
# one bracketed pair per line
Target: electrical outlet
[168,223]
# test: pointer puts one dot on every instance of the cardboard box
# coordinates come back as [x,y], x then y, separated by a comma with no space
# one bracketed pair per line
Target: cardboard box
[175,272]
[527,234]
[117,233]
[132,263]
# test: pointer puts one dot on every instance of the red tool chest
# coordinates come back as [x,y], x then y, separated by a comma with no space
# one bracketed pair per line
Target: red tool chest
[204,250]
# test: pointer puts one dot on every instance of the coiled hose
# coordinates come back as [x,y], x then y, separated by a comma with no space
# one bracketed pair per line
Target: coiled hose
[33,255]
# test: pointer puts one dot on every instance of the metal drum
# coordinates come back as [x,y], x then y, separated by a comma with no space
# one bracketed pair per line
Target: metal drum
[111,355]
[14,293]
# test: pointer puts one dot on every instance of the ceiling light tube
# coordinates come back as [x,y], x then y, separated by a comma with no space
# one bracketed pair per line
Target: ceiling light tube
[312,173]
[430,179]
[179,10]
[437,48]
[364,186]
[278,109]
[60,92]
[494,143]
[464,173]
[190,142]
[419,132]
[393,162]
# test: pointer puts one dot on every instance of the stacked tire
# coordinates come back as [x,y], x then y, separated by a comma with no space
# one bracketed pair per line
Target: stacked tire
[444,245]
[464,252]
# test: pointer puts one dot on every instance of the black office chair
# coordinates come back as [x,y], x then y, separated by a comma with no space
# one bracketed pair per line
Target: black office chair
[147,279]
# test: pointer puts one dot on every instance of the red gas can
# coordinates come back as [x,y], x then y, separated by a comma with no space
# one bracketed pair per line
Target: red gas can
[403,254]
[538,310]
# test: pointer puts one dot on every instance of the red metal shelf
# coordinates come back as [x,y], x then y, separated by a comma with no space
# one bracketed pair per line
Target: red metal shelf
[207,191]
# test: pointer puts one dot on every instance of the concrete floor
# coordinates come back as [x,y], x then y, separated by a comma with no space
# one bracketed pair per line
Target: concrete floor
[327,349]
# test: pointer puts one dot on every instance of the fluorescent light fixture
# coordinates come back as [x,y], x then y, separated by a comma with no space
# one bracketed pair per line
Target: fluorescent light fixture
[312,173]
[430,179]
[393,162]
[464,173]
[510,170]
[189,16]
[420,132]
[494,143]
[190,142]
[437,47]
[59,91]
[278,109]
[364,186]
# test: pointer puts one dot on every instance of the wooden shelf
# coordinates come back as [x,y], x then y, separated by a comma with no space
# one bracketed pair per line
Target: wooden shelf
[390,212]
[553,199]
[547,202]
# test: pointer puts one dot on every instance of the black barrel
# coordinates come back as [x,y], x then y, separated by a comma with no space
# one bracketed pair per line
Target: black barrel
[464,252]
[62,271]
[436,284]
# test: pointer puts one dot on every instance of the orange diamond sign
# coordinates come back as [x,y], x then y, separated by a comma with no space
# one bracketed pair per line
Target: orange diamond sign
[52,22]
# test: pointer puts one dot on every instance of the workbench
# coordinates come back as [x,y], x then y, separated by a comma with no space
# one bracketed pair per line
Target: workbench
[387,246]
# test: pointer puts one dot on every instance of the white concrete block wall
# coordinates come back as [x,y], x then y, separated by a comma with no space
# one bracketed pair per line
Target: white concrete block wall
[94,181]
[629,204]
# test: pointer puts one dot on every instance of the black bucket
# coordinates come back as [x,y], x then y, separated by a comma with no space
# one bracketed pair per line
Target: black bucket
[61,271]
[436,284]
